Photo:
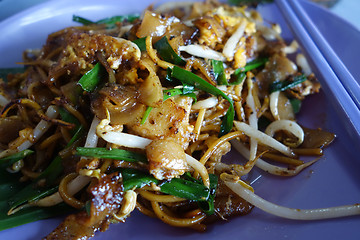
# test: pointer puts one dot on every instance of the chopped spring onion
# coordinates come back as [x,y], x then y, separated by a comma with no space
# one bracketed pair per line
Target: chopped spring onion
[252,65]
[190,189]
[296,104]
[199,83]
[109,22]
[141,43]
[91,79]
[29,214]
[117,154]
[283,85]
[9,160]
[167,53]
[208,205]
[240,73]
[219,72]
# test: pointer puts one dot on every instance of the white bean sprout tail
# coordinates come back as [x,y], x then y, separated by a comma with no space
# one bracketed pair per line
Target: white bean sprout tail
[263,138]
[80,181]
[290,213]
[253,121]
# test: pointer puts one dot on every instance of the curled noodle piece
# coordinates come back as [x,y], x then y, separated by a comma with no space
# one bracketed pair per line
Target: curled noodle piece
[287,125]
[173,221]
[291,213]
[73,187]
[263,138]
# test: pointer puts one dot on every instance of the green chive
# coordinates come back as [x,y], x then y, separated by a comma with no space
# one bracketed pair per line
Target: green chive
[109,22]
[167,53]
[91,79]
[283,85]
[219,72]
[133,178]
[296,104]
[208,205]
[146,114]
[141,43]
[82,20]
[117,154]
[185,189]
[28,215]
[9,160]
[179,187]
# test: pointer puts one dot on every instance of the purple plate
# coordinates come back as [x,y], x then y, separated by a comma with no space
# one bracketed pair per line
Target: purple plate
[334,180]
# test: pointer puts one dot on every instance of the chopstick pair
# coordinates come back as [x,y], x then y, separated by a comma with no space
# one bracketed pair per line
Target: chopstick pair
[338,83]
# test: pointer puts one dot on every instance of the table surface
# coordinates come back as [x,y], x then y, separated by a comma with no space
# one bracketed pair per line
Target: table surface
[347,9]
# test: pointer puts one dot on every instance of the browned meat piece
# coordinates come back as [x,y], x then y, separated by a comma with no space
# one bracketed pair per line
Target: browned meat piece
[107,198]
[228,204]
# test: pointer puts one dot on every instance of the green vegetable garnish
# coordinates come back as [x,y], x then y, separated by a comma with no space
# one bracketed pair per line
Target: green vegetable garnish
[9,160]
[219,72]
[283,85]
[167,53]
[141,43]
[90,80]
[109,22]
[29,215]
[184,187]
[117,154]
[296,104]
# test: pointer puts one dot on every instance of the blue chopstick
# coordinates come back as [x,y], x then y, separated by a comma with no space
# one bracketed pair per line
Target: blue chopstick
[345,77]
[336,90]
